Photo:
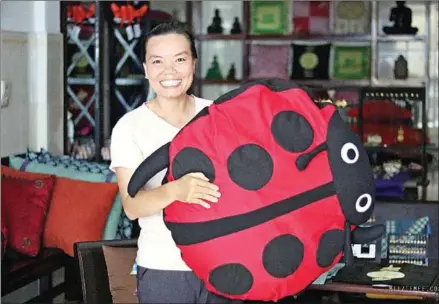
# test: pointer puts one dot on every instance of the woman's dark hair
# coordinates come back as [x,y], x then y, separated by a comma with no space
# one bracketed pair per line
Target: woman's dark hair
[173,27]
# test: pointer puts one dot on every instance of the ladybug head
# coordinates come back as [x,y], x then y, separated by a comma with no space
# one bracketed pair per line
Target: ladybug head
[352,171]
[350,167]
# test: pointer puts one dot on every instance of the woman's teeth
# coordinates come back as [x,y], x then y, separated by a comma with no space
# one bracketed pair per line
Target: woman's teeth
[170,83]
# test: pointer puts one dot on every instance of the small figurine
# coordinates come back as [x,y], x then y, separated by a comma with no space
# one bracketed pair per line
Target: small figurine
[214,72]
[232,72]
[216,27]
[400,70]
[401,16]
[400,136]
[236,28]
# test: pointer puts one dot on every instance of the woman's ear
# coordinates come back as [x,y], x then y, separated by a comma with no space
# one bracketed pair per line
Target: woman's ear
[146,70]
[195,65]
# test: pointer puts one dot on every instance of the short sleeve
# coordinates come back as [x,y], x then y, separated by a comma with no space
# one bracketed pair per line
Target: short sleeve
[124,151]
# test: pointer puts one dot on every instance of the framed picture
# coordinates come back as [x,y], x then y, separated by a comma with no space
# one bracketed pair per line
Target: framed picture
[268,17]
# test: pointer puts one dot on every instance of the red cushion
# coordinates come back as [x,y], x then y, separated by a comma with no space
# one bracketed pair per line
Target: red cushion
[381,110]
[4,235]
[24,204]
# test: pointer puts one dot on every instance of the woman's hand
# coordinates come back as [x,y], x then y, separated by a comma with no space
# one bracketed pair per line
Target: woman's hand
[195,188]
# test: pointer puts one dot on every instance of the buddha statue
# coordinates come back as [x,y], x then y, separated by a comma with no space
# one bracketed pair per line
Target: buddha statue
[401,16]
[216,26]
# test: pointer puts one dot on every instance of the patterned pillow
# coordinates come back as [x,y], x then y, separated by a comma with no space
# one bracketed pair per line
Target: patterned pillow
[351,17]
[125,227]
[44,162]
[351,61]
[311,17]
[310,60]
[24,204]
[268,61]
[45,157]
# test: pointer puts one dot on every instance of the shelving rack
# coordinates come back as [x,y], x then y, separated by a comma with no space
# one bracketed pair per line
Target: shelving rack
[418,102]
[85,47]
[112,92]
[195,9]
[127,81]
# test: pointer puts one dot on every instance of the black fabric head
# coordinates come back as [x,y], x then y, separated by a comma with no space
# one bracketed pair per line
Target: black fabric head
[352,171]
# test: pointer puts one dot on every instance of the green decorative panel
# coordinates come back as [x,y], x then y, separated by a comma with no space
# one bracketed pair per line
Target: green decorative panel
[268,17]
[351,62]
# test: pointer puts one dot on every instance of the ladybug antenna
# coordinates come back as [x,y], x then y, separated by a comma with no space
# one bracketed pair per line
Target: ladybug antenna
[303,160]
[156,162]
[348,255]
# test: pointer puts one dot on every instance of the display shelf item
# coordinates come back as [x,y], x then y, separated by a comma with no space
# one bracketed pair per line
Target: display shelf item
[310,60]
[350,22]
[408,249]
[407,241]
[351,60]
[390,116]
[393,120]
[351,16]
[268,17]
[273,66]
[311,17]
[401,17]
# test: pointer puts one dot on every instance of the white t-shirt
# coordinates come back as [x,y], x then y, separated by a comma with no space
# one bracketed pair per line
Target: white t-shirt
[135,137]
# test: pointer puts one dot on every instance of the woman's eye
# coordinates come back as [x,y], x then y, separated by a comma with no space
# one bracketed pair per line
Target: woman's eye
[181,59]
[156,62]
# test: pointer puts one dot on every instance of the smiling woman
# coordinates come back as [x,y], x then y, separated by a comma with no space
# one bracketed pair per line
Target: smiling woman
[162,275]
[170,62]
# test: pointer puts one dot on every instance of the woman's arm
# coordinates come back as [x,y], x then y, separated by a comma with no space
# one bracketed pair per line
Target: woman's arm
[146,202]
[126,156]
[193,188]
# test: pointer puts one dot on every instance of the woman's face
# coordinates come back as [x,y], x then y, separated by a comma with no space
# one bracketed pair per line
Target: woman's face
[169,65]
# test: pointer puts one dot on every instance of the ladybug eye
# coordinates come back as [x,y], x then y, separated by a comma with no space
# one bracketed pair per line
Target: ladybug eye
[350,153]
[363,203]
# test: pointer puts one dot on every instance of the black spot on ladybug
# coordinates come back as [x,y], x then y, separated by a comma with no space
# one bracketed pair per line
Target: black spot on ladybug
[330,245]
[283,255]
[292,131]
[190,160]
[250,166]
[232,279]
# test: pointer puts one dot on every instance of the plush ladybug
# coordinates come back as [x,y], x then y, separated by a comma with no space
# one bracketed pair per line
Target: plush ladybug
[294,181]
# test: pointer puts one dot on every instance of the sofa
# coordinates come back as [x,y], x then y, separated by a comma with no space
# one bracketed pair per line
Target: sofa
[49,203]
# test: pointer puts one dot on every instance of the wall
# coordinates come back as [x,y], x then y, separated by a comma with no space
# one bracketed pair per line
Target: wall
[32,65]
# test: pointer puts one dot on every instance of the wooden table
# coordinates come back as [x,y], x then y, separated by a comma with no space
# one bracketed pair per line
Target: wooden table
[432,293]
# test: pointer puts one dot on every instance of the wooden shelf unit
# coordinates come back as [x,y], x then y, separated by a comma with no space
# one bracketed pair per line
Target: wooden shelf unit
[194,18]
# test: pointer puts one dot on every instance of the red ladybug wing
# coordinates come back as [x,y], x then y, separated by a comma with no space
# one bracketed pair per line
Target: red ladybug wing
[239,122]
[230,255]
